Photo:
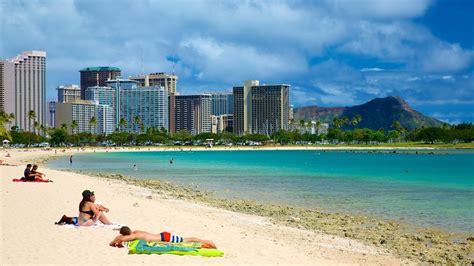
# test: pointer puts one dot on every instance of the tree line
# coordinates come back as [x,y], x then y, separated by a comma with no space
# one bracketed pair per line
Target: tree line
[151,136]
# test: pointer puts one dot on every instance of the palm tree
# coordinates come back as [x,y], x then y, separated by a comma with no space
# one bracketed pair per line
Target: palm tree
[356,120]
[3,131]
[302,123]
[137,121]
[31,116]
[43,129]
[337,123]
[92,124]
[318,124]
[36,124]
[74,125]
[64,126]
[396,124]
[122,123]
[10,118]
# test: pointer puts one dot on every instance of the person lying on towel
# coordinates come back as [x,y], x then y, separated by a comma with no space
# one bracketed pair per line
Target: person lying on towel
[126,234]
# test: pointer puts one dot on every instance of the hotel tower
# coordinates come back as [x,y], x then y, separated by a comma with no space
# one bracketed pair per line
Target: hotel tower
[23,88]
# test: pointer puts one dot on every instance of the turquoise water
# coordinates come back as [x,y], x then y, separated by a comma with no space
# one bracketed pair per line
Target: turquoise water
[434,190]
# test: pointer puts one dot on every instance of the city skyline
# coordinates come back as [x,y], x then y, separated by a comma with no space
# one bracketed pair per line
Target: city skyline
[333,53]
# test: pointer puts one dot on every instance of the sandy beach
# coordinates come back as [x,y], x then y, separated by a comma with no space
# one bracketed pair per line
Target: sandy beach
[29,235]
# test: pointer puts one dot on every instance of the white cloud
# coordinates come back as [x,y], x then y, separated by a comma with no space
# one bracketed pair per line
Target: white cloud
[376,69]
[222,43]
[381,9]
[231,62]
[446,57]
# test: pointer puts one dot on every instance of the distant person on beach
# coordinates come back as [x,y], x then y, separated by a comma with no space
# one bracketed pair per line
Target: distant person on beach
[126,234]
[27,175]
[38,175]
[171,161]
[89,212]
[70,159]
[135,167]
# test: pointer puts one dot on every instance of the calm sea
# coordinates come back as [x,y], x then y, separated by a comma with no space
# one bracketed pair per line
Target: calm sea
[434,190]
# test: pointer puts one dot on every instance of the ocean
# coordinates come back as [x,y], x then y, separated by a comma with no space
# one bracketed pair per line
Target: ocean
[422,188]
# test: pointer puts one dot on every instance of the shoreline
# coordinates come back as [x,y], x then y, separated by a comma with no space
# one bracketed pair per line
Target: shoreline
[422,245]
[245,239]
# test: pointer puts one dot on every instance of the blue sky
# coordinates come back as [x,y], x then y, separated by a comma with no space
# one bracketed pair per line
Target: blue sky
[332,52]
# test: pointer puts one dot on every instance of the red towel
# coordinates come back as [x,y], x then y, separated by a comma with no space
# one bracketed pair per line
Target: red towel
[36,181]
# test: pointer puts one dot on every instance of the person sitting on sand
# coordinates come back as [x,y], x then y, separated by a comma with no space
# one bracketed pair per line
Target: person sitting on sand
[39,176]
[27,175]
[126,234]
[89,212]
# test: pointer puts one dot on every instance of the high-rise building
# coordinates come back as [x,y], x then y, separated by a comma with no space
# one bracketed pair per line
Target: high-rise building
[172,113]
[222,123]
[193,113]
[222,103]
[82,112]
[262,109]
[7,86]
[140,107]
[102,95]
[52,113]
[167,81]
[144,107]
[68,93]
[23,89]
[96,76]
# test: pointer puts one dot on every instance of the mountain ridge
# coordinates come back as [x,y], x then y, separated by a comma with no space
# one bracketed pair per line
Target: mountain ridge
[376,113]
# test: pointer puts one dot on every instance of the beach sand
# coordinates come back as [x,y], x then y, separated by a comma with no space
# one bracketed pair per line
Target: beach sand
[29,235]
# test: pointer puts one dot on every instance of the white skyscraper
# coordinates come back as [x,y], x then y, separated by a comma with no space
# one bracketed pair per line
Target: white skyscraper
[23,89]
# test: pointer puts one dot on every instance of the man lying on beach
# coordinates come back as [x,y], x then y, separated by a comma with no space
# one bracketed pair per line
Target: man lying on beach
[126,234]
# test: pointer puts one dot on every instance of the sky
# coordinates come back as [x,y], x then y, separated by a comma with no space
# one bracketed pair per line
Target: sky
[331,52]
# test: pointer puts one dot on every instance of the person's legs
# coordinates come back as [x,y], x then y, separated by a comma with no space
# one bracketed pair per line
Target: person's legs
[87,222]
[207,243]
[103,219]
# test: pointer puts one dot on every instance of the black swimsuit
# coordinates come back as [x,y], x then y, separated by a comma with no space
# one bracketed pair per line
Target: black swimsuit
[91,213]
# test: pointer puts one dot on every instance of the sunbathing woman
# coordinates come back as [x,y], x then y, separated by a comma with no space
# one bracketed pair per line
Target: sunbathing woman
[89,212]
[126,234]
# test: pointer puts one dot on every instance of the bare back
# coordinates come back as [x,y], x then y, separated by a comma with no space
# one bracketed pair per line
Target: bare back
[145,236]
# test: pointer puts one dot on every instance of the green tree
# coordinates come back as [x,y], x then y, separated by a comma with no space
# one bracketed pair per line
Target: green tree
[92,124]
[256,137]
[43,129]
[31,117]
[58,136]
[337,122]
[74,126]
[36,125]
[183,135]
[10,118]
[394,135]
[302,123]
[4,134]
[356,120]
[122,123]
[137,120]
[281,136]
